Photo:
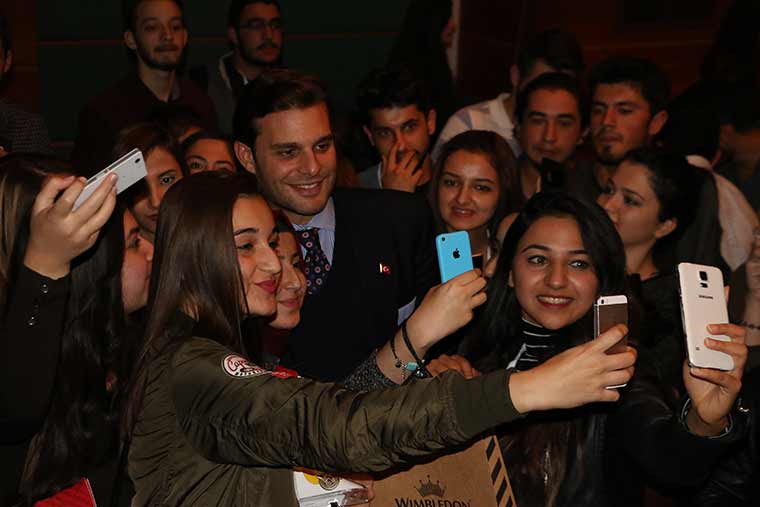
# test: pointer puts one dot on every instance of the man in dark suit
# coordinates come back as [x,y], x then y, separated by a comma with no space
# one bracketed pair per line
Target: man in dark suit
[368,254]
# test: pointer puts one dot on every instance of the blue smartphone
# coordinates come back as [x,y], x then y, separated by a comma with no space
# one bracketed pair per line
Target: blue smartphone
[454,254]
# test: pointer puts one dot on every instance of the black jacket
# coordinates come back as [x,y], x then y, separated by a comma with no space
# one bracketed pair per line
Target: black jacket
[357,310]
[29,350]
[641,438]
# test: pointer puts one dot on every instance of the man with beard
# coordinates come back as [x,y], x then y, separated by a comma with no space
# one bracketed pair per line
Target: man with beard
[399,121]
[628,109]
[155,34]
[254,30]
[20,130]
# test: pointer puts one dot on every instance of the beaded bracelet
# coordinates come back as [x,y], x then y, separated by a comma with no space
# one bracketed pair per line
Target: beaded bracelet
[410,366]
[421,371]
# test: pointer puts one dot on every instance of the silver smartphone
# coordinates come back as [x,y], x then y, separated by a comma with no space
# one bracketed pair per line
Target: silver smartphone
[609,311]
[703,302]
[130,168]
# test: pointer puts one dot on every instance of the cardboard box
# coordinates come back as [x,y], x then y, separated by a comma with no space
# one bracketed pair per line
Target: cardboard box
[473,477]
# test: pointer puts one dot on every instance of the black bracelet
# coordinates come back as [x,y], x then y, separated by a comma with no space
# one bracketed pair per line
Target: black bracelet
[399,364]
[421,371]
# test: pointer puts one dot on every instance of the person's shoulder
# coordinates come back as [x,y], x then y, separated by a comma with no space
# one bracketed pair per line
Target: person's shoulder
[380,200]
[368,177]
[115,93]
[21,115]
[191,90]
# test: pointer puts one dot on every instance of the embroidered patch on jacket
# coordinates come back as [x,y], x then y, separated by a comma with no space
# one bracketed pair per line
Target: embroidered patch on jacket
[239,367]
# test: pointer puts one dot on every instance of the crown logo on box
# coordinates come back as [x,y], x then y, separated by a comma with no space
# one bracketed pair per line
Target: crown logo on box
[428,488]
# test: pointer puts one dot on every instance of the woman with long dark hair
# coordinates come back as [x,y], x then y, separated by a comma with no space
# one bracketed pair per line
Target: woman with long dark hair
[655,199]
[42,235]
[559,255]
[210,426]
[89,341]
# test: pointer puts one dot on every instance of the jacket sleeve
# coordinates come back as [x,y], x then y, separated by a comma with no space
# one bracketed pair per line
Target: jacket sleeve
[258,419]
[29,348]
[654,434]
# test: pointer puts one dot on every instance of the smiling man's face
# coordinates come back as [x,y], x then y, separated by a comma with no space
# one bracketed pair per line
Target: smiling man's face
[294,160]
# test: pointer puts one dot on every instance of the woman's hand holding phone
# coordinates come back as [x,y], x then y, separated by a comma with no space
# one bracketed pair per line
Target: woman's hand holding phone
[58,233]
[713,392]
[445,309]
[576,376]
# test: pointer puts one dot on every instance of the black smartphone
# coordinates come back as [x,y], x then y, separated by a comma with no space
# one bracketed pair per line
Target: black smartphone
[553,176]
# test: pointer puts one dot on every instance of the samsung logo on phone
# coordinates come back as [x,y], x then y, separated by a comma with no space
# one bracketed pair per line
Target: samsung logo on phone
[705,297]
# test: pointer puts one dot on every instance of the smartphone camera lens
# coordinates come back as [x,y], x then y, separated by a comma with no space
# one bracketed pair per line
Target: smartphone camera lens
[703,276]
[137,161]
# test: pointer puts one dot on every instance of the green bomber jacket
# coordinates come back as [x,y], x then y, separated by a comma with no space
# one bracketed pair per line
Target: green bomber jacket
[215,429]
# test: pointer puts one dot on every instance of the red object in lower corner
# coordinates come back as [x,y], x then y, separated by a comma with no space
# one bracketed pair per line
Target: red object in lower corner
[78,495]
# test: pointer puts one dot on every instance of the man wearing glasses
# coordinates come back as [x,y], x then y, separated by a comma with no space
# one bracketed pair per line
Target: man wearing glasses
[255,33]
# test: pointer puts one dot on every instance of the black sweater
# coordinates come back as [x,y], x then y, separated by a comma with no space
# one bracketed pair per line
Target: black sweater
[29,350]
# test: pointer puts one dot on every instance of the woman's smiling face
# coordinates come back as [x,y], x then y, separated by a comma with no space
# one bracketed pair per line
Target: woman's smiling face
[552,273]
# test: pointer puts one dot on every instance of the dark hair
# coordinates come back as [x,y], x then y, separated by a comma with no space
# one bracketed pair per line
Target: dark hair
[21,178]
[5,34]
[210,135]
[237,7]
[419,49]
[195,261]
[391,87]
[496,149]
[733,57]
[742,109]
[643,75]
[553,81]
[129,12]
[500,320]
[177,119]
[677,185]
[82,422]
[556,48]
[497,335]
[146,137]
[274,91]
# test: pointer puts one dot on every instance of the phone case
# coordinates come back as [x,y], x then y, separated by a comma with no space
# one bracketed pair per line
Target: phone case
[130,168]
[703,302]
[610,311]
[454,254]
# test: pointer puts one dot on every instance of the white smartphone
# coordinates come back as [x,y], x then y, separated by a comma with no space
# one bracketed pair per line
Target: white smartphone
[703,302]
[609,311]
[130,168]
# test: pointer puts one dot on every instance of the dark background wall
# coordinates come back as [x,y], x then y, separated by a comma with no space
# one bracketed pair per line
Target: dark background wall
[68,50]
[71,50]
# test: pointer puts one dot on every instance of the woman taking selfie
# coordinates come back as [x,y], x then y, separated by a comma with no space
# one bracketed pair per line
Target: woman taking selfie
[558,257]
[211,427]
[84,330]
